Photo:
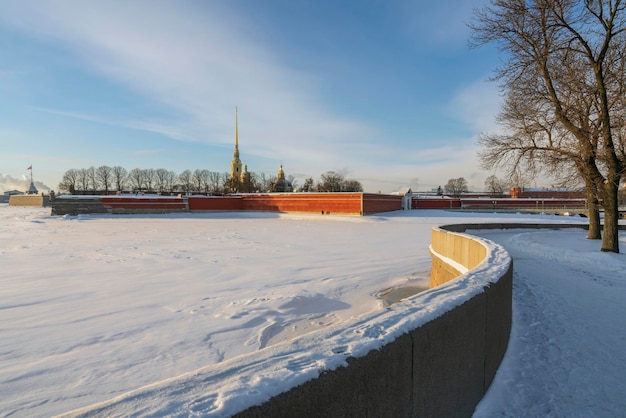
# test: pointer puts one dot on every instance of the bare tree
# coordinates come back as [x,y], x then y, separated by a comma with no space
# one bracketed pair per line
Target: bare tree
[69,181]
[136,177]
[186,180]
[215,182]
[292,179]
[93,179]
[331,182]
[201,180]
[495,186]
[149,179]
[104,176]
[309,185]
[160,179]
[352,186]
[537,143]
[119,177]
[83,180]
[557,53]
[170,181]
[456,187]
[263,182]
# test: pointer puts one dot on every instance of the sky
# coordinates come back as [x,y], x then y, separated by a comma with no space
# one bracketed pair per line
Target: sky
[204,314]
[386,93]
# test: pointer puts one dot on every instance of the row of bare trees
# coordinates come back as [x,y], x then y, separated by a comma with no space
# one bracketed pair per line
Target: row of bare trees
[332,181]
[105,179]
[564,84]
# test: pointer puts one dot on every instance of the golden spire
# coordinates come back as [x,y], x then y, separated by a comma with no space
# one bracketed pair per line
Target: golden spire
[236,152]
[281,173]
[235,165]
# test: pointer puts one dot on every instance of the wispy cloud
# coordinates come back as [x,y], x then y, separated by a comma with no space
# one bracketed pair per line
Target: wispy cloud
[8,182]
[173,131]
[198,61]
[477,105]
[443,23]
[183,66]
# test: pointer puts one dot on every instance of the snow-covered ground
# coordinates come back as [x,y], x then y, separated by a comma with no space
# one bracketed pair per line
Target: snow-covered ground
[95,307]
[567,353]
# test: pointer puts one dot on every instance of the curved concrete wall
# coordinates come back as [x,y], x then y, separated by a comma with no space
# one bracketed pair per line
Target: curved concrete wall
[441,367]
[453,254]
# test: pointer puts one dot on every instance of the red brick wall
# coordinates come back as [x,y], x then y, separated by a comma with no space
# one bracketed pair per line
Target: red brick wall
[133,203]
[519,192]
[444,203]
[375,203]
[535,203]
[322,203]
[436,203]
[216,202]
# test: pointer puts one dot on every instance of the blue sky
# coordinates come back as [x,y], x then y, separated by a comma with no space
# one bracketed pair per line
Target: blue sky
[387,93]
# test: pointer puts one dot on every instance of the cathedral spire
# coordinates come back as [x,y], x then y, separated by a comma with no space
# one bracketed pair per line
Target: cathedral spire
[235,164]
[236,129]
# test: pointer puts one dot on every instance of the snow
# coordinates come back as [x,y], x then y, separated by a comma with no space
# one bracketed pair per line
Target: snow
[205,314]
[567,353]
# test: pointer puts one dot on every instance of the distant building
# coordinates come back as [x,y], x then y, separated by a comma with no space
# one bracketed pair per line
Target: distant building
[235,164]
[32,189]
[281,184]
[4,198]
[240,179]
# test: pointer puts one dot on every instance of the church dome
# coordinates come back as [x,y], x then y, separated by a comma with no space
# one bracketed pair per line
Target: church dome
[282,184]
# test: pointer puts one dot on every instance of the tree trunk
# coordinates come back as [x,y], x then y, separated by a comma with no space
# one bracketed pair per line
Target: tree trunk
[610,241]
[594,216]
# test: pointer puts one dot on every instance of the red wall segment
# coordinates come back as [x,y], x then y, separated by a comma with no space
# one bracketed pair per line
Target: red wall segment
[436,203]
[216,202]
[136,203]
[322,203]
[376,203]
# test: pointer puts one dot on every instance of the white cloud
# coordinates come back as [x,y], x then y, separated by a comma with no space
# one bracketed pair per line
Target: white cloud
[477,105]
[194,61]
[443,23]
[22,184]
[200,62]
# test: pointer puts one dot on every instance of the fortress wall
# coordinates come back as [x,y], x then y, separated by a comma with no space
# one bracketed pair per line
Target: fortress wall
[315,203]
[144,204]
[68,205]
[26,200]
[320,203]
[377,203]
[442,367]
[76,205]
[220,203]
[435,203]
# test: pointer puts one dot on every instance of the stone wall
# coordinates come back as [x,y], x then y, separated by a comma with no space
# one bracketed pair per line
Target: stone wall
[68,205]
[215,203]
[442,367]
[377,203]
[314,203]
[453,254]
[27,200]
